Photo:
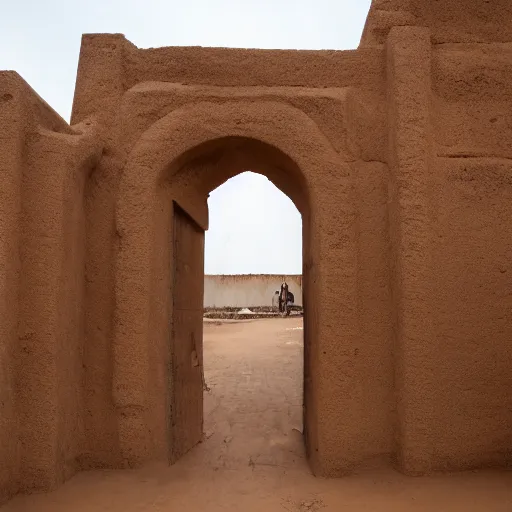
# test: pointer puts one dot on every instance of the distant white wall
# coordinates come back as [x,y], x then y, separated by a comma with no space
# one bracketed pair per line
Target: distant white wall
[247,290]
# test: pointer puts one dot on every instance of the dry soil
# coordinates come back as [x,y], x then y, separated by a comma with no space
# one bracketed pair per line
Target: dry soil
[252,458]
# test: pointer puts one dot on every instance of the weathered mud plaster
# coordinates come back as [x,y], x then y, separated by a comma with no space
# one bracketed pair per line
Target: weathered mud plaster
[396,154]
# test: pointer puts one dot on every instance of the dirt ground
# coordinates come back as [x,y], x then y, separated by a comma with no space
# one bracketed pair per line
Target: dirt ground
[252,458]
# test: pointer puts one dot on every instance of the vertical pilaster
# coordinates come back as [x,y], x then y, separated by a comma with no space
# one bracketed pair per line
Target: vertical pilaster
[411,156]
[12,138]
[99,82]
[40,331]
[98,93]
[335,444]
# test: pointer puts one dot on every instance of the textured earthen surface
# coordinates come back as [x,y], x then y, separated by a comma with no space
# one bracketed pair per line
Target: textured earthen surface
[252,456]
[396,154]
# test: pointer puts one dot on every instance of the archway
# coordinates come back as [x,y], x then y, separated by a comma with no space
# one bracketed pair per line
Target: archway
[177,162]
[203,169]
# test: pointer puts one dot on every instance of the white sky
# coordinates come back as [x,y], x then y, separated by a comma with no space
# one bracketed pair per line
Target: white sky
[249,218]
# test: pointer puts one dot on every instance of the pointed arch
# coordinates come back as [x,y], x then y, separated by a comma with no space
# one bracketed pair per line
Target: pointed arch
[290,149]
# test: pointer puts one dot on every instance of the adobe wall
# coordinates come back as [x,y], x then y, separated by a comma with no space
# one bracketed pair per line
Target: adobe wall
[398,157]
[246,291]
[450,254]
[45,164]
[472,281]
[449,21]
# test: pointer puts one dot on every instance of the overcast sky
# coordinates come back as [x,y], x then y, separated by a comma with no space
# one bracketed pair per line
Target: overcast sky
[250,220]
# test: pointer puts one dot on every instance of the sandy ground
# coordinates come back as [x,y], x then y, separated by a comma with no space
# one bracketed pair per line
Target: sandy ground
[252,458]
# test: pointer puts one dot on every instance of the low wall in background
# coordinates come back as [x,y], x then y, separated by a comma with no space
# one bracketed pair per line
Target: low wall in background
[246,291]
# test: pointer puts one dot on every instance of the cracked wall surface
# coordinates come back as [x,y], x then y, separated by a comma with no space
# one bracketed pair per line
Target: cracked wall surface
[397,155]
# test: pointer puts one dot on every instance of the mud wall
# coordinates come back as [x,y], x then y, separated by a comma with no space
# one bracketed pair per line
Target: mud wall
[41,431]
[449,21]
[449,292]
[396,154]
[11,165]
[472,310]
[245,291]
[472,281]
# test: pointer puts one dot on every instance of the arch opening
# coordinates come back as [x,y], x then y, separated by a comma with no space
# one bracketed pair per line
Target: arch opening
[175,164]
[189,180]
[207,166]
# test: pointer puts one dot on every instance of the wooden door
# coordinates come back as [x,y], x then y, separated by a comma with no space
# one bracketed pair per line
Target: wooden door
[187,335]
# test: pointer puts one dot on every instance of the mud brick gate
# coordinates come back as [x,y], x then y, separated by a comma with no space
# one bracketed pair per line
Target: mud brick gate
[398,156]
